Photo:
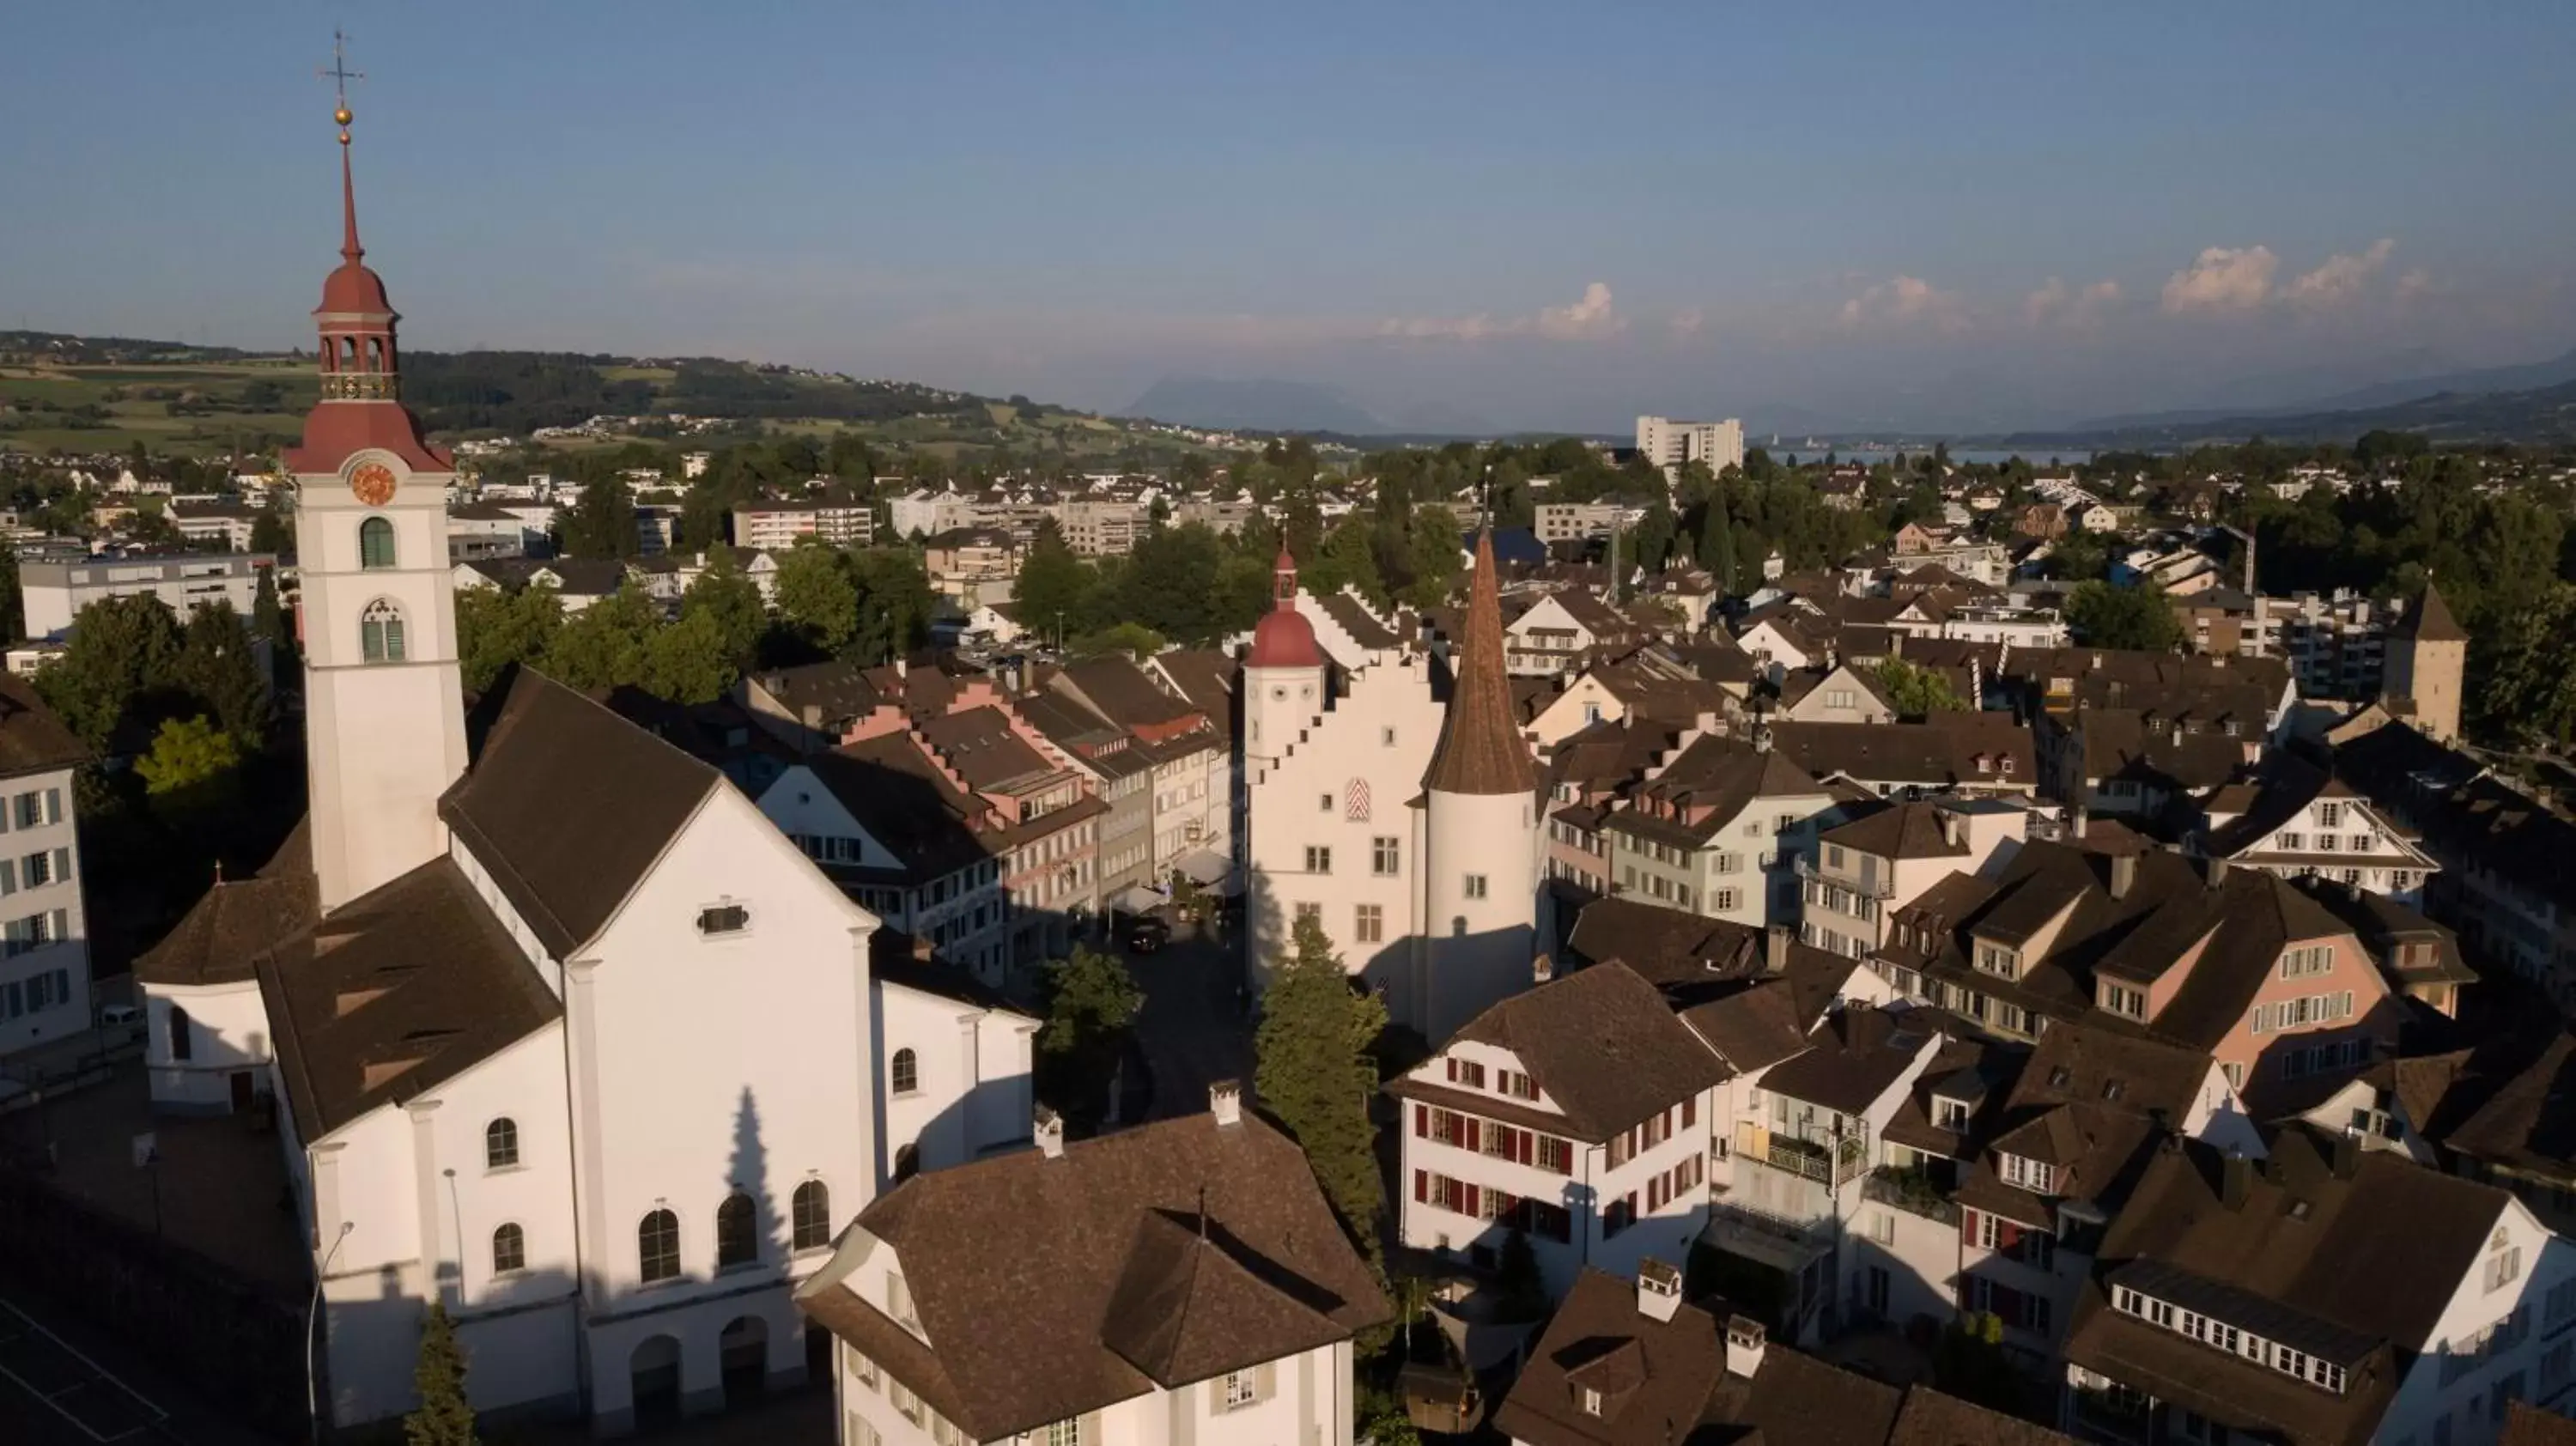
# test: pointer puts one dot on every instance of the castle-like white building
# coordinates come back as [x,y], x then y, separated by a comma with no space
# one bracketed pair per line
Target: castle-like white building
[1400,810]
[560,1031]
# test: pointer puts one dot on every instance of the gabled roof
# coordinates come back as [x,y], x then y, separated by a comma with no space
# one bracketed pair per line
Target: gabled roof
[904,802]
[1942,751]
[1912,830]
[32,739]
[2293,1244]
[397,992]
[567,806]
[1603,1045]
[1110,1283]
[1666,1371]
[1852,1059]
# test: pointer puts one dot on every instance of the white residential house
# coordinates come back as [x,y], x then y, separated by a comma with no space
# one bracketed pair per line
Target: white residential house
[1181,1281]
[44,926]
[1523,1120]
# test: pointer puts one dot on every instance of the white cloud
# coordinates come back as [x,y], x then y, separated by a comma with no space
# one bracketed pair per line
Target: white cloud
[2415,286]
[2071,306]
[1589,317]
[1904,301]
[1688,322]
[2341,277]
[2223,279]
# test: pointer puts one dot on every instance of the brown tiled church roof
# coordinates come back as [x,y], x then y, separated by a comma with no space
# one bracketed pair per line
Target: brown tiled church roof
[1480,751]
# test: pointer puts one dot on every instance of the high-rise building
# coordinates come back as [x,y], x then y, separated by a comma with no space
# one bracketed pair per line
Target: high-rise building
[1668,442]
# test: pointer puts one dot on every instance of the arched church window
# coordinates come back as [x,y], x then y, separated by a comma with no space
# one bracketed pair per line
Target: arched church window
[375,543]
[380,632]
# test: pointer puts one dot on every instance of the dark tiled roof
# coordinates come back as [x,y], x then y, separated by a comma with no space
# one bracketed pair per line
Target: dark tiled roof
[2528,1425]
[1109,1277]
[2119,743]
[1655,1377]
[2464,815]
[1851,1060]
[1940,752]
[2421,1232]
[1204,676]
[229,927]
[1356,620]
[1481,750]
[1124,694]
[1898,831]
[398,991]
[1602,1044]
[835,689]
[980,745]
[2431,622]
[2529,1122]
[904,802]
[567,806]
[1930,1418]
[32,739]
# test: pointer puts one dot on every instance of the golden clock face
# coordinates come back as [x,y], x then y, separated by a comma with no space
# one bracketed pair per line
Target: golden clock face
[373,483]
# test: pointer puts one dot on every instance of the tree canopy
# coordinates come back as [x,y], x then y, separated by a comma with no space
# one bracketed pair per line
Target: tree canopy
[1315,1072]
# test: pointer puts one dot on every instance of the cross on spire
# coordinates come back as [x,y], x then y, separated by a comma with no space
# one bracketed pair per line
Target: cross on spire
[339,74]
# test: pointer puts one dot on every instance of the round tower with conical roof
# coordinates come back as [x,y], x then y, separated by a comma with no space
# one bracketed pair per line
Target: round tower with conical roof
[1481,830]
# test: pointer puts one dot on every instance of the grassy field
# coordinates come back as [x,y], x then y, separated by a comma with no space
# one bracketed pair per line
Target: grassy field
[200,408]
[216,407]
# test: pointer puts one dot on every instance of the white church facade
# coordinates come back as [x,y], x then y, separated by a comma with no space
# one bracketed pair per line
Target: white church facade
[1405,824]
[561,1031]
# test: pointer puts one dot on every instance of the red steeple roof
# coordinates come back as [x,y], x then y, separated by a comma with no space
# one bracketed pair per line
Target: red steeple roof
[1284,638]
[1481,750]
[361,406]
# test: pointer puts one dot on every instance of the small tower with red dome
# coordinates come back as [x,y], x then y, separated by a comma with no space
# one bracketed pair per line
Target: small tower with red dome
[1283,675]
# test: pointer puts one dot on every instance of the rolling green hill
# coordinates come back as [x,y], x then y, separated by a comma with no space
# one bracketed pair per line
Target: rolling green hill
[87,394]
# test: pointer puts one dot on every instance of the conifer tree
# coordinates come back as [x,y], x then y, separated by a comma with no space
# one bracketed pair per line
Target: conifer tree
[444,1417]
[1315,1073]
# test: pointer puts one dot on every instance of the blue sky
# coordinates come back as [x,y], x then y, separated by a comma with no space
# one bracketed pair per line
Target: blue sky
[1536,215]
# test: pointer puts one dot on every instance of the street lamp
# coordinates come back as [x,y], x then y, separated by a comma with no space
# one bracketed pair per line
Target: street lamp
[312,1388]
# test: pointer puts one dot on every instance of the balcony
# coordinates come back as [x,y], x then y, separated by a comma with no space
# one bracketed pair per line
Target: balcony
[1911,1191]
[1828,1163]
[1878,888]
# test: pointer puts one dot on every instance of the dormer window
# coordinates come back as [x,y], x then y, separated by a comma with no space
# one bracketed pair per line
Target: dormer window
[2032,1175]
[1591,1401]
[2122,1000]
[2000,960]
[1949,1114]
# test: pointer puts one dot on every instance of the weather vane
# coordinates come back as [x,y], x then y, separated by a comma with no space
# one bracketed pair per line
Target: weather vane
[339,74]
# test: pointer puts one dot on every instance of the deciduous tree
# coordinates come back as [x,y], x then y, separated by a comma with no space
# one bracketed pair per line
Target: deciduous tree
[1091,1005]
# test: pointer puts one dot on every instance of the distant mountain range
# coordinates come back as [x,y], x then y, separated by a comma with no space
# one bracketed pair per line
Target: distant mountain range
[1268,405]
[2407,386]
[2545,413]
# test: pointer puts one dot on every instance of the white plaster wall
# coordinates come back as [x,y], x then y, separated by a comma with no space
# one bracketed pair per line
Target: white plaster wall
[1284,817]
[682,1028]
[1497,837]
[974,1078]
[384,740]
[227,1030]
[2422,1399]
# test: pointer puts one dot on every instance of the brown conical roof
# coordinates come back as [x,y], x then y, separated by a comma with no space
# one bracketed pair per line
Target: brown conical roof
[1480,749]
[2431,621]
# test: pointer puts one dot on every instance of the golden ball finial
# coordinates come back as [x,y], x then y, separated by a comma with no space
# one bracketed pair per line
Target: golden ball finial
[342,115]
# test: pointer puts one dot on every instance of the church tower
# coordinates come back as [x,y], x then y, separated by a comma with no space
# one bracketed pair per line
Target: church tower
[1283,675]
[384,704]
[1481,830]
[2425,665]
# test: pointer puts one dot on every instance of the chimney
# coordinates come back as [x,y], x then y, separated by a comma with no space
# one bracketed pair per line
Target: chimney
[1225,1101]
[2235,1178]
[2218,873]
[1659,1289]
[903,667]
[1775,949]
[1049,1131]
[1953,827]
[1744,1337]
[2124,874]
[1542,969]
[2343,1156]
[2081,823]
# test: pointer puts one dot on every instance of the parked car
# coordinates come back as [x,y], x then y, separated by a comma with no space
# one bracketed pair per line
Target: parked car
[126,1017]
[1145,933]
